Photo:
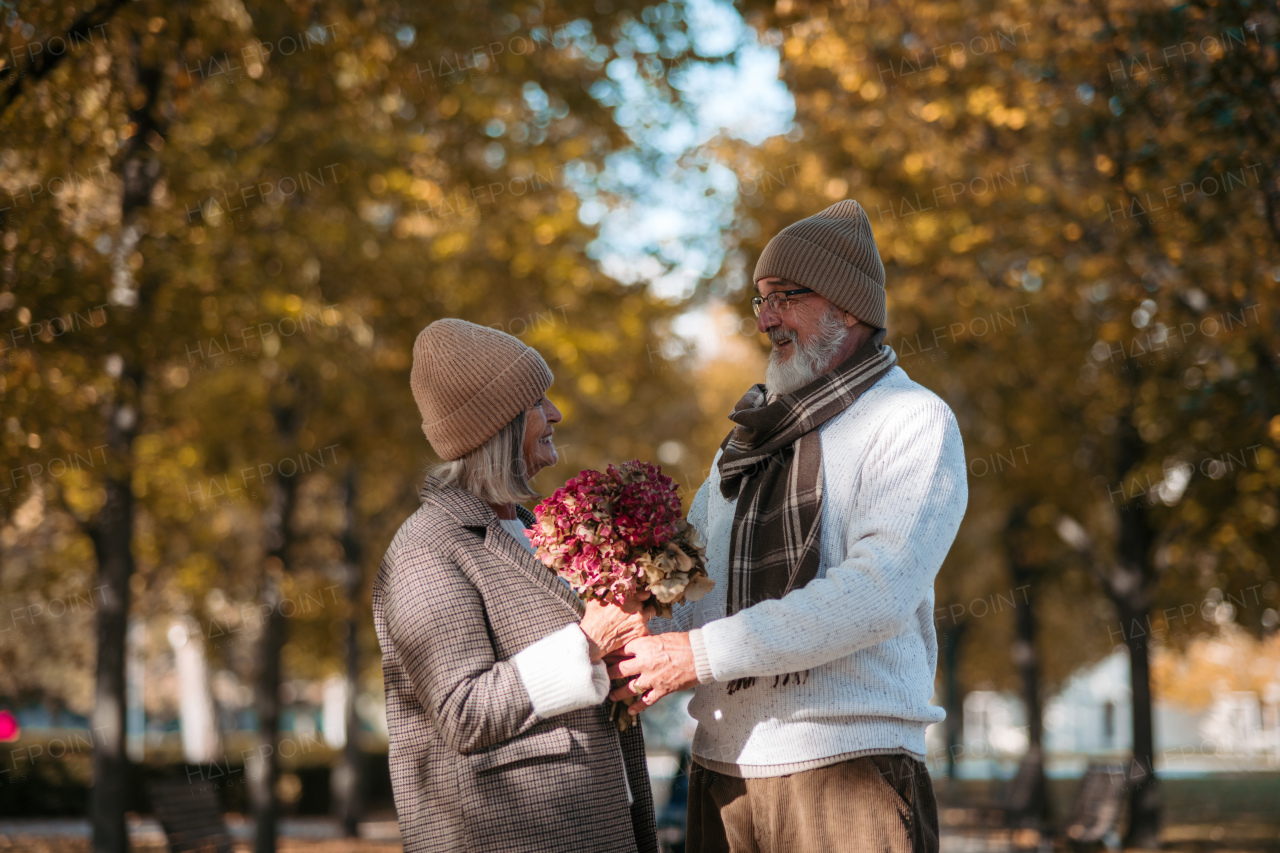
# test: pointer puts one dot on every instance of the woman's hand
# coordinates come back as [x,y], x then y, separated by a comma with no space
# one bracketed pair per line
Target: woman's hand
[609,627]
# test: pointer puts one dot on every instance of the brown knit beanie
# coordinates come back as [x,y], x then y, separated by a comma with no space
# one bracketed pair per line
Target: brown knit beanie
[833,253]
[470,381]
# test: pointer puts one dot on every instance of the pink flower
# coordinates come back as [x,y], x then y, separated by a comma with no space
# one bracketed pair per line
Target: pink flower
[619,535]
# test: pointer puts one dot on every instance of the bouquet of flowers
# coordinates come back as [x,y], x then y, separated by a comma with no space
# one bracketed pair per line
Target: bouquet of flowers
[619,537]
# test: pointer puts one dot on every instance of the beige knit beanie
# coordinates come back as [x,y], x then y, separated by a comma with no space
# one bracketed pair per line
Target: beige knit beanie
[470,381]
[833,253]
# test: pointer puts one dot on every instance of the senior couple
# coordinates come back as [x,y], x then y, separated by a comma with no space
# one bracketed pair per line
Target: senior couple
[827,513]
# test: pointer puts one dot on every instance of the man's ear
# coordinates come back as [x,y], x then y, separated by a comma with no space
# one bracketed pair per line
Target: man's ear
[849,320]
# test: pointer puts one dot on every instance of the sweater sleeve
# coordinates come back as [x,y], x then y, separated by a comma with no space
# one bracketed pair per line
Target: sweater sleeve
[682,614]
[558,673]
[909,504]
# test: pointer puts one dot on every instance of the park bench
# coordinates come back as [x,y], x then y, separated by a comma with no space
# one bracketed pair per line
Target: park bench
[191,816]
[1098,806]
[1095,813]
[1023,801]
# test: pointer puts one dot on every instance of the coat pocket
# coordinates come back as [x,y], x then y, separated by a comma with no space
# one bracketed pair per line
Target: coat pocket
[556,742]
[555,791]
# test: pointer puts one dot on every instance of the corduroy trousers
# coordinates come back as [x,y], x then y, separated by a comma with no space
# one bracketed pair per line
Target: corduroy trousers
[881,803]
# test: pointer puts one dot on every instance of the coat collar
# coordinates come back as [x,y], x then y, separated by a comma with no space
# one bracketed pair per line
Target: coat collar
[470,511]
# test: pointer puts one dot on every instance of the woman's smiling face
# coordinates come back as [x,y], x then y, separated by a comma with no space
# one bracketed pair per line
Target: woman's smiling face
[539,426]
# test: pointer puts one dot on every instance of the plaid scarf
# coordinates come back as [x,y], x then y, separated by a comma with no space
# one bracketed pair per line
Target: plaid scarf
[772,464]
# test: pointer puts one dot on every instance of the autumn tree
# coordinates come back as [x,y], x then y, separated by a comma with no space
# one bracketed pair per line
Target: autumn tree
[1000,160]
[284,197]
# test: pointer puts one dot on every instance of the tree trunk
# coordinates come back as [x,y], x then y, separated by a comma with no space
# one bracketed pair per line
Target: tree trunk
[1129,585]
[955,702]
[1029,800]
[1144,791]
[112,535]
[265,768]
[348,781]
[112,529]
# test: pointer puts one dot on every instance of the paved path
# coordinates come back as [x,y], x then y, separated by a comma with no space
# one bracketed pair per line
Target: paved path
[147,830]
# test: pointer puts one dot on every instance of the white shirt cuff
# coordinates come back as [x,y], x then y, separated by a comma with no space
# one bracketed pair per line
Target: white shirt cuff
[558,673]
[701,663]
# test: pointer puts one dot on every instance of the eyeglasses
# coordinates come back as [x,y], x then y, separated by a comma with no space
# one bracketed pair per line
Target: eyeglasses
[779,300]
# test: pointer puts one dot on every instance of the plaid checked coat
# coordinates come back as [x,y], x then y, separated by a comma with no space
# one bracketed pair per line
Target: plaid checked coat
[472,767]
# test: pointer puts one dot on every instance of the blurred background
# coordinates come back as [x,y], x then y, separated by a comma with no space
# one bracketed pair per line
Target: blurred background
[223,222]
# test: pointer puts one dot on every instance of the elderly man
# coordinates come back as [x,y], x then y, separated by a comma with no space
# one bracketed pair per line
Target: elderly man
[828,511]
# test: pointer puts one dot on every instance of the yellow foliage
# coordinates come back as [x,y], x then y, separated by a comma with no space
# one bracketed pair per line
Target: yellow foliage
[1229,661]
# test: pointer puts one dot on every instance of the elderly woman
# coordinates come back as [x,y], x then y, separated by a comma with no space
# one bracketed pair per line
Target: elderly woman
[500,740]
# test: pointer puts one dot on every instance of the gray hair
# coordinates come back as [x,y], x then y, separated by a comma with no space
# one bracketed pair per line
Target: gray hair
[495,471]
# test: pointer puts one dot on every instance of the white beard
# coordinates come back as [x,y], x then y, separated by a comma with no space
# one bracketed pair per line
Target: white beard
[807,361]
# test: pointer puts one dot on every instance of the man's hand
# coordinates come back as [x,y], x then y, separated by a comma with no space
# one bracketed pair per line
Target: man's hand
[660,665]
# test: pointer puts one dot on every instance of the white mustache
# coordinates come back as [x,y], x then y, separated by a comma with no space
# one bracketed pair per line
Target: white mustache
[781,335]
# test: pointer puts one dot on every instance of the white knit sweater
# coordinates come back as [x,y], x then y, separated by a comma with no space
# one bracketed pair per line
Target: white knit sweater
[845,666]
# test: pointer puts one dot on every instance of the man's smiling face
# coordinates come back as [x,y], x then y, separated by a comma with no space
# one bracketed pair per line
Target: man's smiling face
[800,323]
[811,336]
